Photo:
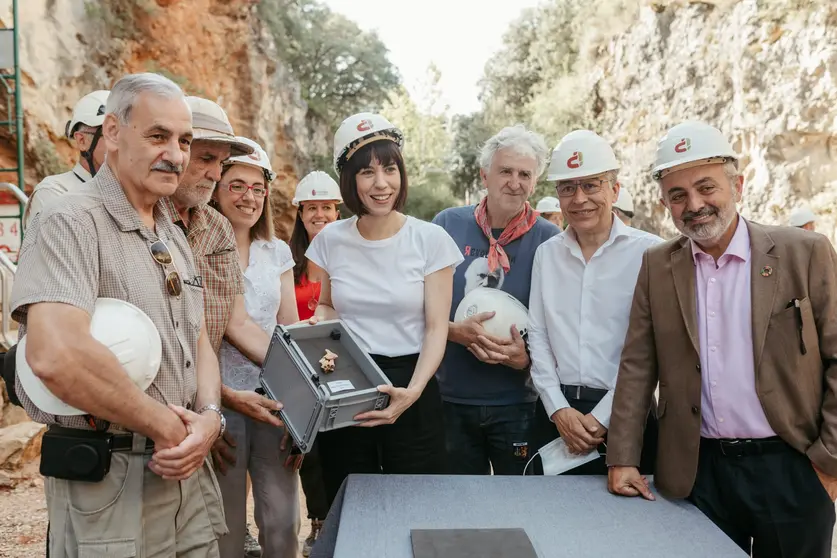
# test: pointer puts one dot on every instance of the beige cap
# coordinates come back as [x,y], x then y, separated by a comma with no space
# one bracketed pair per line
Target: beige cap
[210,123]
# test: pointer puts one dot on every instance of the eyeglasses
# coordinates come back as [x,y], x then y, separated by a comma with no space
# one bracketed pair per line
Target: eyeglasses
[589,187]
[161,254]
[240,188]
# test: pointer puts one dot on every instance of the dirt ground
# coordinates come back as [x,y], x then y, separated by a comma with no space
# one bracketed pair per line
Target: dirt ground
[23,521]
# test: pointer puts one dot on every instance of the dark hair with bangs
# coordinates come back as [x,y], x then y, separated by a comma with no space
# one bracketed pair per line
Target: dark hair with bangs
[385,152]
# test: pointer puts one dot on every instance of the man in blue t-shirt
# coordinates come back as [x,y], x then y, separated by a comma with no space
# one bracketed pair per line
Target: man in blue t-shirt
[491,405]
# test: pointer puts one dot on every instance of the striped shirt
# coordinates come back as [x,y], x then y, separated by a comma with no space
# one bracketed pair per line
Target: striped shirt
[93,245]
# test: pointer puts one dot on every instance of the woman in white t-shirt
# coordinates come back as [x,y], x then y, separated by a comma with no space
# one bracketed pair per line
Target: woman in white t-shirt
[242,197]
[379,270]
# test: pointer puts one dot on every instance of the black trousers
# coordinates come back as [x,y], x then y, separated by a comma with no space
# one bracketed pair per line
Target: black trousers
[774,501]
[311,478]
[548,432]
[414,444]
[482,438]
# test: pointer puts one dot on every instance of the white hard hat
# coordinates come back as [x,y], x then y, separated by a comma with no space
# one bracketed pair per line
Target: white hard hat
[625,201]
[258,158]
[508,311]
[359,130]
[121,327]
[802,216]
[548,205]
[581,153]
[317,186]
[690,144]
[210,123]
[89,110]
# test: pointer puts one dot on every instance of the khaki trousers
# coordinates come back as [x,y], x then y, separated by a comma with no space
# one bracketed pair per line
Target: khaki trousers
[133,513]
[275,490]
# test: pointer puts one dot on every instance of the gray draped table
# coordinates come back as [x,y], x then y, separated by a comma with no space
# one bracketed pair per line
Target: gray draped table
[569,516]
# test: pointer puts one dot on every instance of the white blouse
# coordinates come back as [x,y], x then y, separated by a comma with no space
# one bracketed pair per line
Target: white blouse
[262,297]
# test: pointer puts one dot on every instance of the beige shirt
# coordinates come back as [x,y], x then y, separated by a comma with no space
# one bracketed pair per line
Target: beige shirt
[94,245]
[53,187]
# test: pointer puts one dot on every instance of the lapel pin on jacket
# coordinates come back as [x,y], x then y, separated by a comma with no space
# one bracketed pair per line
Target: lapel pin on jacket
[766,271]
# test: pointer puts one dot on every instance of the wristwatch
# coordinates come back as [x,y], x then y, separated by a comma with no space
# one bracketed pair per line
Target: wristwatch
[217,409]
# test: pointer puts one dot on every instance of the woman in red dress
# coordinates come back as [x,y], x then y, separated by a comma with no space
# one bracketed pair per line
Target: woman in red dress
[317,196]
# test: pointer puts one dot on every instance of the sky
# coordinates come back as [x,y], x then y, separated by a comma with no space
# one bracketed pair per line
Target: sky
[459,36]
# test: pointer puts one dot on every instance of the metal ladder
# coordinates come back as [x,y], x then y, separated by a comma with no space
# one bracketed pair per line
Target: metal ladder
[10,83]
[10,60]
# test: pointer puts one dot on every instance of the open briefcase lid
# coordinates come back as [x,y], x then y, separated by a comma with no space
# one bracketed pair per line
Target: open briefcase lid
[312,399]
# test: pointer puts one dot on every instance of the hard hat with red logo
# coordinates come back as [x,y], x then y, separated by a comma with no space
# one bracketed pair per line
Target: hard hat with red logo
[317,186]
[581,153]
[691,144]
[258,158]
[359,130]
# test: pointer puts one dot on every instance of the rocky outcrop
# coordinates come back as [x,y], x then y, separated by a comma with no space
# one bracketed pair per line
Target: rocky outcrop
[763,71]
[20,448]
[218,49]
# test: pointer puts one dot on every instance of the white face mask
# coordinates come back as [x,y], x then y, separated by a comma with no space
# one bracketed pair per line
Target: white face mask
[557,459]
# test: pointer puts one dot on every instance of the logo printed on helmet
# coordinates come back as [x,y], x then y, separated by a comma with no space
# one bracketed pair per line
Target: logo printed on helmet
[254,156]
[364,126]
[576,160]
[683,146]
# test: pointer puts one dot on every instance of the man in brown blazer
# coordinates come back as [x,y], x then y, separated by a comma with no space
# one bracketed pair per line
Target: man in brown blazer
[738,324]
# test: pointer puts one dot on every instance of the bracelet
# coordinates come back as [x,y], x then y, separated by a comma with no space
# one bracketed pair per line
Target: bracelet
[215,408]
[528,352]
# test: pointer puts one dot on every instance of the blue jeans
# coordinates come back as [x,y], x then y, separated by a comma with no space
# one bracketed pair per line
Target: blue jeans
[485,437]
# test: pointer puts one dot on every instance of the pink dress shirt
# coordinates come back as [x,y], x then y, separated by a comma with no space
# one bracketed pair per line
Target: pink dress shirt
[730,406]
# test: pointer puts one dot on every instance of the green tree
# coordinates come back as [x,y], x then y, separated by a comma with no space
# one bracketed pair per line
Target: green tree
[342,69]
[539,77]
[470,132]
[427,144]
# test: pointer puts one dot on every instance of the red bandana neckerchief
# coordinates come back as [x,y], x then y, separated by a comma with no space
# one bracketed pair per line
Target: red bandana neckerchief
[517,227]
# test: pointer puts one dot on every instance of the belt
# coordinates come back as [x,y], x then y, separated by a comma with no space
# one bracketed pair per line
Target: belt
[125,442]
[119,442]
[744,447]
[582,393]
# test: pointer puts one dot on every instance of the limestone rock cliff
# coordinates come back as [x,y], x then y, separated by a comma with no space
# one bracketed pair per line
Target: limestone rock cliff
[218,49]
[764,71]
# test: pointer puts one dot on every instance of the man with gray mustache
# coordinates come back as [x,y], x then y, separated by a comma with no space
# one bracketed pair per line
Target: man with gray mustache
[736,322]
[165,166]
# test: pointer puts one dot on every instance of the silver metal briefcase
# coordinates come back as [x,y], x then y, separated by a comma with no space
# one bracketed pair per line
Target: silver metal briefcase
[315,401]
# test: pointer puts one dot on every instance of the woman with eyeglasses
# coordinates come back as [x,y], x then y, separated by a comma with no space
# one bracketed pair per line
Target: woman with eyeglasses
[379,269]
[242,196]
[317,197]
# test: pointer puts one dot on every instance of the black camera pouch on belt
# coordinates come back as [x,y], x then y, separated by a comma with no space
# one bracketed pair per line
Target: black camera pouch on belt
[76,455]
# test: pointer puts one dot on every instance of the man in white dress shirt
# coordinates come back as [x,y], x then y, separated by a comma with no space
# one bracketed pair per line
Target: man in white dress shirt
[582,287]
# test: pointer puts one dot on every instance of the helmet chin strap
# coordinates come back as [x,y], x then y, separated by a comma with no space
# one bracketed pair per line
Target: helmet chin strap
[88,154]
